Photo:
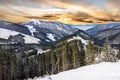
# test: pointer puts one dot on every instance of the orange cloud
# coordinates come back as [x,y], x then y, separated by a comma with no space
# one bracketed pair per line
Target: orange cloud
[66,11]
[72,7]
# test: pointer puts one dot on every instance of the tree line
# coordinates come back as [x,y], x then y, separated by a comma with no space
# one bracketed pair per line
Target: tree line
[16,65]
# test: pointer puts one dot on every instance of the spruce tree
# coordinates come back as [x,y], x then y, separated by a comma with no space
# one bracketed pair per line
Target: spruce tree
[47,61]
[58,60]
[52,61]
[90,52]
[39,65]
[11,64]
[70,51]
[107,53]
[81,54]
[64,56]
[1,63]
[76,56]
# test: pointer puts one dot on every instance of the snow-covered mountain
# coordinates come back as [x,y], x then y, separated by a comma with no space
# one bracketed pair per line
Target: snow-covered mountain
[103,31]
[48,31]
[113,34]
[108,33]
[100,27]
[36,31]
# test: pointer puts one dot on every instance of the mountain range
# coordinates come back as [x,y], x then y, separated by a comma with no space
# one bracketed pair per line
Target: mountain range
[34,31]
[100,27]
[48,32]
[110,31]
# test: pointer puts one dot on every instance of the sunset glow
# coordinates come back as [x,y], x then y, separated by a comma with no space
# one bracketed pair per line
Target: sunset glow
[66,11]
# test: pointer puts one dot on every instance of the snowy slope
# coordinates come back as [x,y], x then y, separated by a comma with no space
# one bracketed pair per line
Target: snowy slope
[5,33]
[102,71]
[31,29]
[80,35]
[14,27]
[85,42]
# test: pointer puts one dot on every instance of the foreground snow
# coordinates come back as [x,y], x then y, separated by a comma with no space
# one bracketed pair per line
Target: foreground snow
[102,71]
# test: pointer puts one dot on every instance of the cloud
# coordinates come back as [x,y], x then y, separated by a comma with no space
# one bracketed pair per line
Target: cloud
[67,11]
[113,6]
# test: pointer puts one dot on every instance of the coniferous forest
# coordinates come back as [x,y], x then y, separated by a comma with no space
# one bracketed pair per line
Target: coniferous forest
[18,65]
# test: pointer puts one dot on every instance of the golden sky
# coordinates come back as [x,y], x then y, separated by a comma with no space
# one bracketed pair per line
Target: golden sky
[66,11]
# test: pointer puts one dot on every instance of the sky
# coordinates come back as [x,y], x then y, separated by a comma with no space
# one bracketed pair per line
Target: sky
[66,11]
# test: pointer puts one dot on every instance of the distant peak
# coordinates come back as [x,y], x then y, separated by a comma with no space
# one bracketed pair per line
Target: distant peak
[34,21]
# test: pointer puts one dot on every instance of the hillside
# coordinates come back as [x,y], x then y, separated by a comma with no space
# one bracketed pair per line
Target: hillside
[101,71]
[100,27]
[110,31]
[113,34]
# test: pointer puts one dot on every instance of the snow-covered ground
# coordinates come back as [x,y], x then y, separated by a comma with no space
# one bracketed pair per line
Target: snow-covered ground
[40,51]
[51,36]
[78,38]
[5,33]
[101,71]
[31,29]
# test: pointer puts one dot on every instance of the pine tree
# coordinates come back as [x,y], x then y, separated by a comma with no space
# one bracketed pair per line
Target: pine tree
[47,61]
[81,54]
[106,48]
[59,54]
[39,65]
[52,61]
[1,61]
[118,54]
[90,52]
[4,66]
[76,56]
[64,56]
[19,66]
[70,57]
[27,67]
[58,60]
[10,65]
[107,53]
